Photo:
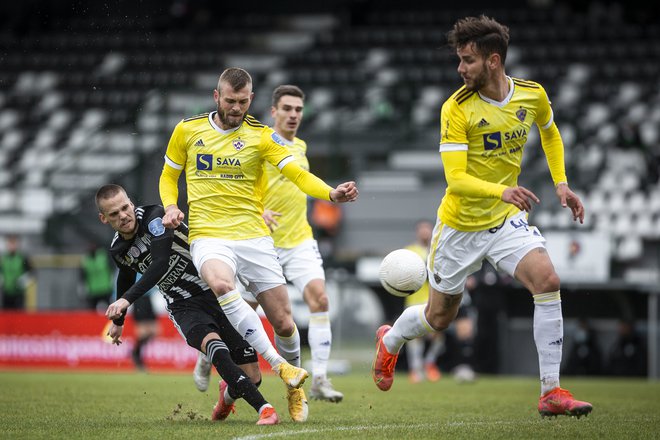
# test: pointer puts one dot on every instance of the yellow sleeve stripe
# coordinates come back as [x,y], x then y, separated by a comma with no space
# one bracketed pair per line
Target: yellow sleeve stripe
[199,116]
[173,164]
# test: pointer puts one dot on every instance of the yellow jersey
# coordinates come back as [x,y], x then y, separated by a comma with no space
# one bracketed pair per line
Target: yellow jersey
[422,295]
[224,174]
[283,196]
[494,135]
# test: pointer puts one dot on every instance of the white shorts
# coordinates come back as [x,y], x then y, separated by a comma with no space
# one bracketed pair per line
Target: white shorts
[302,263]
[459,254]
[253,260]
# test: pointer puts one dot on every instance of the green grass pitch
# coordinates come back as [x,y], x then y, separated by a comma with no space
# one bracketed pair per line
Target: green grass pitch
[145,406]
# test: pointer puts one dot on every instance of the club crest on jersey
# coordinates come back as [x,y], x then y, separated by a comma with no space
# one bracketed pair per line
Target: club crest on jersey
[521,114]
[278,139]
[134,252]
[156,227]
[238,144]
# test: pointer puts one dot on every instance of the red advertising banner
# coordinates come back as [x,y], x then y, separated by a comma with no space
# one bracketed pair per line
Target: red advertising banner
[78,340]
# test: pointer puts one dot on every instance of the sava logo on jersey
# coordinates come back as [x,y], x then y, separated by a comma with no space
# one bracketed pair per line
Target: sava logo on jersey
[493,141]
[205,162]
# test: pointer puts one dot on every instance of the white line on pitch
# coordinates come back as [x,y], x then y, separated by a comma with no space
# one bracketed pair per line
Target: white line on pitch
[338,428]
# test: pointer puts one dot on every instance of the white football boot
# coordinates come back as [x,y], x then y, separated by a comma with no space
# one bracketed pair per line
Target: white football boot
[202,372]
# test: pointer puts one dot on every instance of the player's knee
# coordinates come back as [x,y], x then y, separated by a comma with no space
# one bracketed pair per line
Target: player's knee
[548,283]
[319,303]
[283,325]
[220,286]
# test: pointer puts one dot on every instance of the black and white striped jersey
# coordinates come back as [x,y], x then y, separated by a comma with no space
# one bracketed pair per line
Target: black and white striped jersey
[160,254]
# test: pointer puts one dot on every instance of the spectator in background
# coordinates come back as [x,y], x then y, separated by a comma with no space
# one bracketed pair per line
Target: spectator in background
[585,357]
[627,357]
[146,327]
[463,330]
[325,219]
[15,270]
[97,275]
[422,365]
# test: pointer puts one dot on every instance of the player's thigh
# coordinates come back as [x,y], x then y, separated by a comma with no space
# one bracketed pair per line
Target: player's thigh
[302,264]
[192,320]
[453,256]
[257,264]
[215,261]
[519,250]
[201,315]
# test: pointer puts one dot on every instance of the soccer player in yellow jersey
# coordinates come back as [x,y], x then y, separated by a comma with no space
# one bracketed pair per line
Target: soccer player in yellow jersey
[422,364]
[483,215]
[222,154]
[296,247]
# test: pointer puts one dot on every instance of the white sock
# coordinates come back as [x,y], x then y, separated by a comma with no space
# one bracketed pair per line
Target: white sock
[248,324]
[319,337]
[415,351]
[266,405]
[410,325]
[289,347]
[549,337]
[228,399]
[436,348]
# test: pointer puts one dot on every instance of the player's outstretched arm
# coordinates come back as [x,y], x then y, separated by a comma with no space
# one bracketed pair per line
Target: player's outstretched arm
[569,199]
[317,188]
[345,192]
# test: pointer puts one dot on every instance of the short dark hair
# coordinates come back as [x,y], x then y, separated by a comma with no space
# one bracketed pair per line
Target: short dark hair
[107,191]
[486,33]
[236,77]
[286,90]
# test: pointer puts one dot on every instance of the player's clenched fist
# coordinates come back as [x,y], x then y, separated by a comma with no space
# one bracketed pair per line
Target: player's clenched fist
[345,192]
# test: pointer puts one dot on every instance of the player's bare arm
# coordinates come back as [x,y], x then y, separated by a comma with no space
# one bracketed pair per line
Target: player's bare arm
[569,199]
[345,192]
[173,217]
[520,197]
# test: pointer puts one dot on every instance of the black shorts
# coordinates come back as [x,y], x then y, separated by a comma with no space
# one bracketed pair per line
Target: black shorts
[200,315]
[143,310]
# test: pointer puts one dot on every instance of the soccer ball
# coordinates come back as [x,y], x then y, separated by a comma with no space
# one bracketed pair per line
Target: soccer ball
[402,272]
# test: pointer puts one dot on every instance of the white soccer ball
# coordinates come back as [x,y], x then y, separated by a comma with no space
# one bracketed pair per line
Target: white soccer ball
[402,272]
